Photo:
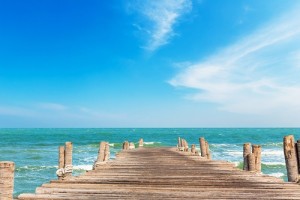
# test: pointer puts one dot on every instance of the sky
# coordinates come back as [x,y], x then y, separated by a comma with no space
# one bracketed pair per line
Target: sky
[150,63]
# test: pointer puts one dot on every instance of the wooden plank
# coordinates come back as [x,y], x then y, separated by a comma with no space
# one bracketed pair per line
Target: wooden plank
[165,173]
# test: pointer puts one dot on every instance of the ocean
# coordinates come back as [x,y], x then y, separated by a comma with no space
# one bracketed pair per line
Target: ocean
[35,151]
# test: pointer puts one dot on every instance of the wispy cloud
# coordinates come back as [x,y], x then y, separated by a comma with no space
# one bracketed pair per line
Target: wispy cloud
[16,111]
[161,16]
[52,106]
[258,74]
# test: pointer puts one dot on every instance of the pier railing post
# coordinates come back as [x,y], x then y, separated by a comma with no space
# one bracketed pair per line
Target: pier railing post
[203,147]
[131,145]
[208,155]
[256,150]
[290,158]
[179,143]
[100,157]
[7,170]
[186,146]
[141,142]
[61,160]
[126,145]
[193,149]
[106,152]
[298,154]
[68,159]
[251,162]
[246,152]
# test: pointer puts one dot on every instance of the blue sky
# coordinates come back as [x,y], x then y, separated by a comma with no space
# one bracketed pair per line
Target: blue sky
[150,63]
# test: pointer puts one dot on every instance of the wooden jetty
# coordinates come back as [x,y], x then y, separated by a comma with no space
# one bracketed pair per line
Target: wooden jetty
[166,173]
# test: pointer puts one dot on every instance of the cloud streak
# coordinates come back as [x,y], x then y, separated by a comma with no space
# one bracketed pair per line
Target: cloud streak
[161,16]
[256,75]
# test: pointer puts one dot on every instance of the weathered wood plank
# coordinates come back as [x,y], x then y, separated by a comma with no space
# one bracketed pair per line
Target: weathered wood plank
[164,173]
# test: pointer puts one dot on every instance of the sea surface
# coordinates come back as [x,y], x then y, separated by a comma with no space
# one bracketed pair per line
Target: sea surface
[35,151]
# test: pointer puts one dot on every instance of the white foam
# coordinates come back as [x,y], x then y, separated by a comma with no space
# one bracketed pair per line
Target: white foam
[272,152]
[223,145]
[273,163]
[150,142]
[83,167]
[278,174]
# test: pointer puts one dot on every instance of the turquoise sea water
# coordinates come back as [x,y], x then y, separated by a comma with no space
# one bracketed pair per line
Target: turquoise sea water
[35,151]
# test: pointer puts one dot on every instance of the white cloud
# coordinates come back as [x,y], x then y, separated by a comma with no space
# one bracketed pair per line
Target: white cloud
[258,74]
[16,111]
[52,106]
[162,15]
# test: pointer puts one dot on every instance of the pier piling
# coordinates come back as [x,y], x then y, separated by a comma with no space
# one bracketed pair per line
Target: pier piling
[141,142]
[208,155]
[203,147]
[126,145]
[290,158]
[193,149]
[131,145]
[256,150]
[68,159]
[246,152]
[7,170]
[61,160]
[106,152]
[101,153]
[251,162]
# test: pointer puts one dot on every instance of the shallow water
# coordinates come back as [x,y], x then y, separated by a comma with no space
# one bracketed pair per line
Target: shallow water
[35,151]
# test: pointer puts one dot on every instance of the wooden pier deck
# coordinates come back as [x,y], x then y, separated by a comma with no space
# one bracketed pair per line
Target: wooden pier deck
[164,173]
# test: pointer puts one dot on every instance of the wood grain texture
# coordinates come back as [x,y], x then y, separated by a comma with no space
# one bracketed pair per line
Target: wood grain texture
[166,173]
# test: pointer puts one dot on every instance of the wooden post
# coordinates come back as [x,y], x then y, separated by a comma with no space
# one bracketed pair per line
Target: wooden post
[141,142]
[106,152]
[182,143]
[101,151]
[208,155]
[125,145]
[68,159]
[290,158]
[61,159]
[131,145]
[7,170]
[298,154]
[202,147]
[246,152]
[186,146]
[179,143]
[193,149]
[256,150]
[251,162]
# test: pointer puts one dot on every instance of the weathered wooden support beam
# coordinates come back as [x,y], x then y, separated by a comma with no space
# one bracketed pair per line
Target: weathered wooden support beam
[208,154]
[126,145]
[298,154]
[246,152]
[251,162]
[256,150]
[101,151]
[61,160]
[186,146]
[179,143]
[202,147]
[106,152]
[131,145]
[7,170]
[68,159]
[141,142]
[290,158]
[193,149]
